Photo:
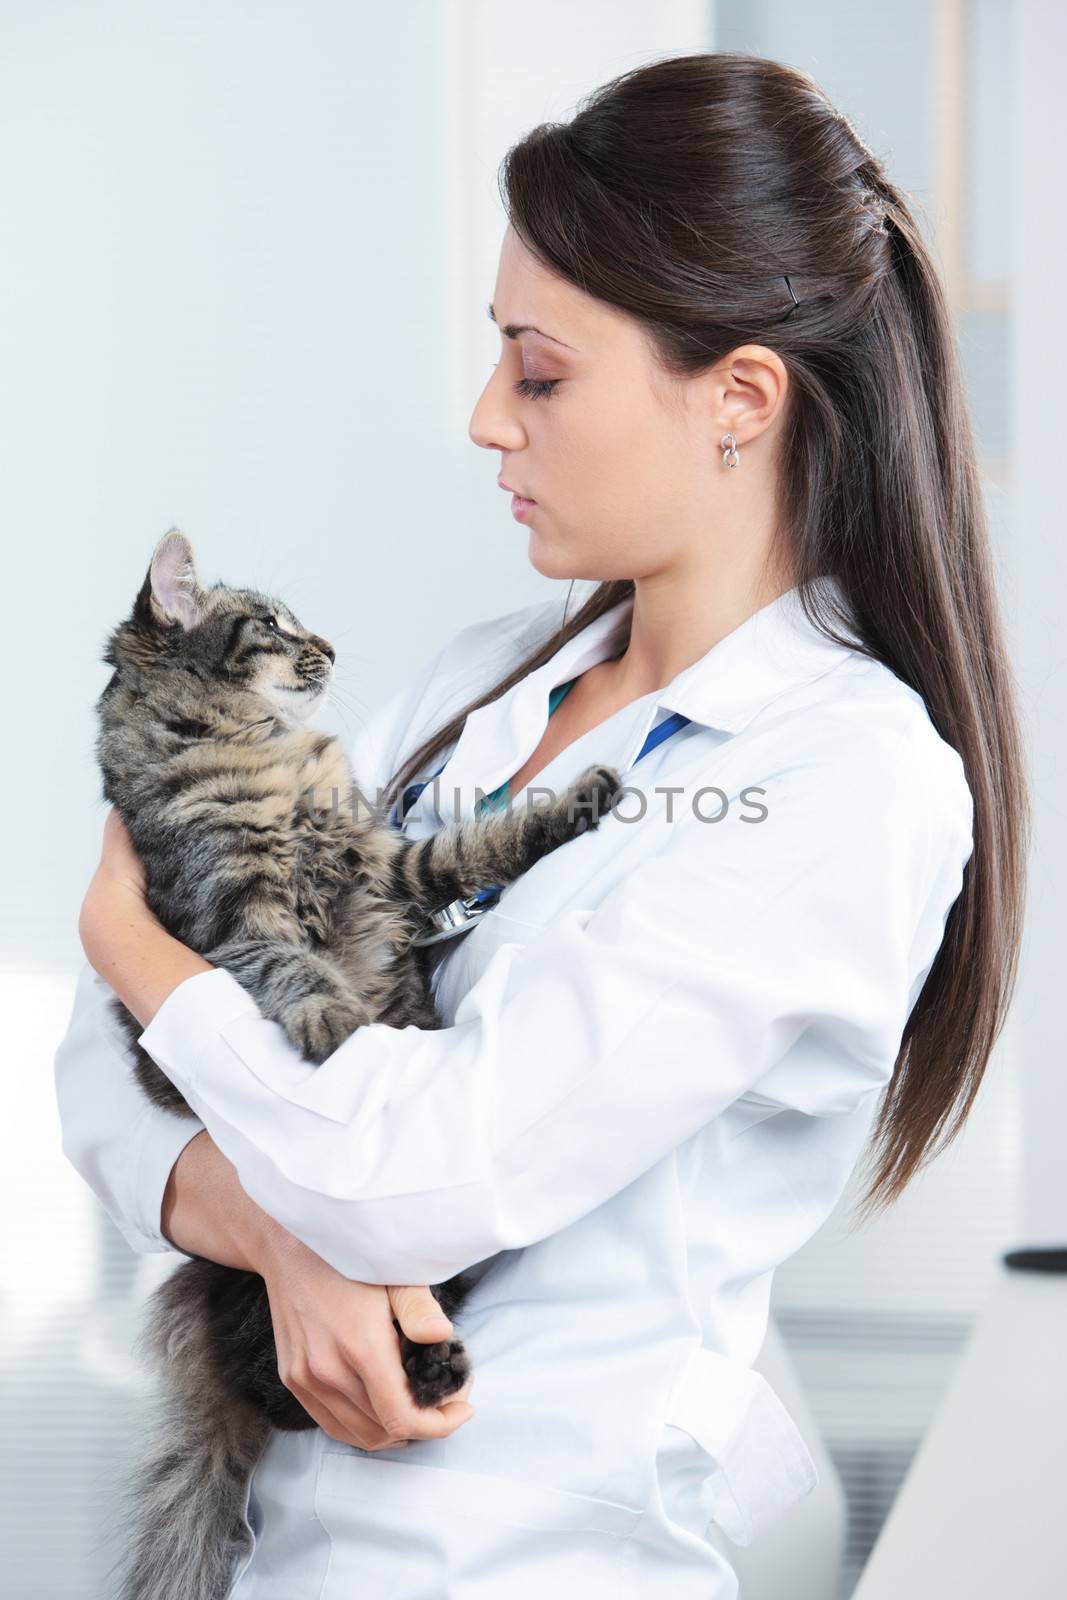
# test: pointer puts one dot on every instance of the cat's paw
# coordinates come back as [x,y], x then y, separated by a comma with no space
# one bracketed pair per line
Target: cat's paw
[588,799]
[434,1370]
[318,1024]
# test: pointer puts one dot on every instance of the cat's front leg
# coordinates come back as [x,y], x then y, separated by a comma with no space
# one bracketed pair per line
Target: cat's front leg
[461,860]
[526,834]
[303,991]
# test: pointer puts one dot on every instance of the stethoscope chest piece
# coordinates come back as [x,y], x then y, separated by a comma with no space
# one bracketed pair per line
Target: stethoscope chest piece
[457,917]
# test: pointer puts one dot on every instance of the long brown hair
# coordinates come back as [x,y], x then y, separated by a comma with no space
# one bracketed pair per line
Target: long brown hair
[682,192]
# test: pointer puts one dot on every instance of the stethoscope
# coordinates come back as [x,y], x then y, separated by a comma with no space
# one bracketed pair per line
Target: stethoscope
[461,914]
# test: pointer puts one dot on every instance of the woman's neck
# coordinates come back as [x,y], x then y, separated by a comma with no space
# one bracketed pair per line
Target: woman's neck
[673,625]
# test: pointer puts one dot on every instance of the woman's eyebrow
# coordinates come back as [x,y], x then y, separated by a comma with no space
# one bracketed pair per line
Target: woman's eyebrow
[511,330]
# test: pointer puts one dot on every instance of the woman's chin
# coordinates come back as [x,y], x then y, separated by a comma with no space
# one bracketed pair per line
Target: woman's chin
[549,560]
[558,566]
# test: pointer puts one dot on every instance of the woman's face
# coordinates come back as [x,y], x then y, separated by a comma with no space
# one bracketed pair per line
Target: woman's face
[620,459]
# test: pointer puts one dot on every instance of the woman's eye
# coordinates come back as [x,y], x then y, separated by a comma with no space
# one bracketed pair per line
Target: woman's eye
[536,388]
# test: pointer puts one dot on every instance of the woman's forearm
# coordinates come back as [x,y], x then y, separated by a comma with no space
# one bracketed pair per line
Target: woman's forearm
[134,953]
[206,1212]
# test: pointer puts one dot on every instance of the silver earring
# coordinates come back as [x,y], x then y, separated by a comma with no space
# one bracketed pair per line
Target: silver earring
[730,457]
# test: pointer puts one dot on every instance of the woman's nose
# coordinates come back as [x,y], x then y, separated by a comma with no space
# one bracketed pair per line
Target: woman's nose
[490,425]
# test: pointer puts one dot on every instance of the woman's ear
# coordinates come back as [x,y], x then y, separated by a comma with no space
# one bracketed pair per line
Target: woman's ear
[754,390]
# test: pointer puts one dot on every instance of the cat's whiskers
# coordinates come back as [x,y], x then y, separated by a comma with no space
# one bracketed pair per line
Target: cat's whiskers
[353,702]
[341,717]
[347,693]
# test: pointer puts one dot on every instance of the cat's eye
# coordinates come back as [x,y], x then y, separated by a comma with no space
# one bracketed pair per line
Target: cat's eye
[270,622]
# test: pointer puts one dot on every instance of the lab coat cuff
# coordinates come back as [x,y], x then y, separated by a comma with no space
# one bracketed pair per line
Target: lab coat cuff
[162,1140]
[185,1029]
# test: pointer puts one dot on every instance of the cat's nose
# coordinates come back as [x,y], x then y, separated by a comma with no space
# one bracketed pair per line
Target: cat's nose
[326,647]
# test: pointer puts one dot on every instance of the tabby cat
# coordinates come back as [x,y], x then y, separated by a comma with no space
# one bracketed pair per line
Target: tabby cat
[262,853]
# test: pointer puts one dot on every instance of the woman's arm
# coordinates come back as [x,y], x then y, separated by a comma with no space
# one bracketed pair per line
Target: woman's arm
[206,1213]
[128,946]
[783,956]
[120,1143]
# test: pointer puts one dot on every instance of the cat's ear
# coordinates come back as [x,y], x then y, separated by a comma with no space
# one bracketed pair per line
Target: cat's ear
[171,591]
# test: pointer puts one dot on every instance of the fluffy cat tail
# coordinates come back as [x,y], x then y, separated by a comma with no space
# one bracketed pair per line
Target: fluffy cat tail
[184,1501]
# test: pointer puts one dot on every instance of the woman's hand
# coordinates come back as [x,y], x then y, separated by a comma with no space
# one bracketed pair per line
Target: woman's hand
[339,1353]
[124,941]
[116,889]
[120,868]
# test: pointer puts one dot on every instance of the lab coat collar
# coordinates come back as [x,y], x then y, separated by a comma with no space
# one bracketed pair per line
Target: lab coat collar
[773,650]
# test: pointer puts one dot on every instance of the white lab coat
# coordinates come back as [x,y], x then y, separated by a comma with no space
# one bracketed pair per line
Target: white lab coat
[662,1055]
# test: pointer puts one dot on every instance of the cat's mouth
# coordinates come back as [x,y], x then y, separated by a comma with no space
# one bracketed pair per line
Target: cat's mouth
[310,687]
[301,699]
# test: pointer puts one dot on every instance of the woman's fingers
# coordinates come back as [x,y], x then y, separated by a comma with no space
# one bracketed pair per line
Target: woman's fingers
[362,1398]
[419,1314]
[342,1417]
[386,1383]
[118,857]
[346,1413]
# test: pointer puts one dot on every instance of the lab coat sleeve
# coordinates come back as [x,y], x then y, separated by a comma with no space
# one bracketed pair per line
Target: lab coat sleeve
[122,1144]
[783,953]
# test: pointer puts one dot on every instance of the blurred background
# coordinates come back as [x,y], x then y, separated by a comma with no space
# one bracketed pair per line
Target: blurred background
[245,256]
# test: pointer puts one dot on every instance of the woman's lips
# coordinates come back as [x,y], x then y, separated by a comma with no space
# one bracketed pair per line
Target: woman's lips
[519,505]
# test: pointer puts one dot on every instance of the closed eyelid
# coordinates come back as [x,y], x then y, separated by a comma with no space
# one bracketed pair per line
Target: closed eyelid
[535,372]
[543,351]
[540,363]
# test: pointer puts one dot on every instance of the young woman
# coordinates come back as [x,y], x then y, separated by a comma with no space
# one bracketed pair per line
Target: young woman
[728,390]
